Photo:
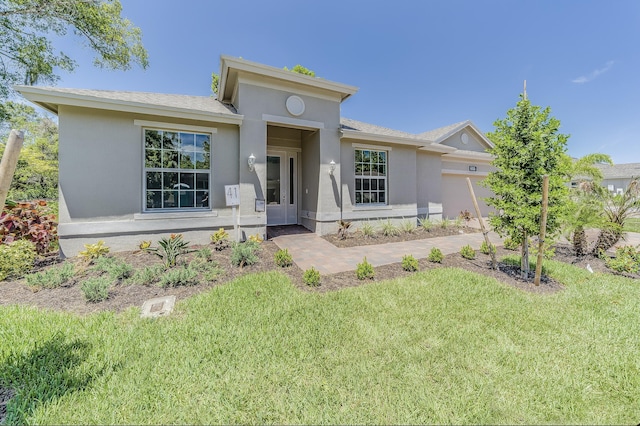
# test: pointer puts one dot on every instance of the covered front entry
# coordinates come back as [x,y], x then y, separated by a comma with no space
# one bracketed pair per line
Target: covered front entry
[282,187]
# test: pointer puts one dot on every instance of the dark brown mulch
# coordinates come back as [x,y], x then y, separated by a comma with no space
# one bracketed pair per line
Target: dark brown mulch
[357,238]
[5,396]
[70,298]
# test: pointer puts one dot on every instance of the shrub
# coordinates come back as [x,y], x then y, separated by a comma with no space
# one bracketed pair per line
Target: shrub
[365,270]
[283,258]
[28,221]
[445,223]
[16,259]
[487,248]
[509,244]
[408,226]
[94,251]
[244,253]
[96,289]
[367,230]
[169,249]
[343,229]
[183,275]
[220,239]
[116,269]
[425,223]
[627,260]
[147,275]
[204,253]
[311,277]
[255,238]
[467,252]
[210,270]
[435,255]
[389,229]
[409,263]
[51,278]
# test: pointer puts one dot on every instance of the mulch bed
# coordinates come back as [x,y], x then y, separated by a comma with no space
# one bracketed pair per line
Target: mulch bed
[71,299]
[358,239]
[5,395]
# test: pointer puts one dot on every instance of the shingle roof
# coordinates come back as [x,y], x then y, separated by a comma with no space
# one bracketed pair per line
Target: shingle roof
[436,134]
[618,171]
[196,103]
[349,124]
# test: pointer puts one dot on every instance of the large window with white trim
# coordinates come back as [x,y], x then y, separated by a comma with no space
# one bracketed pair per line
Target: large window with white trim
[371,177]
[177,170]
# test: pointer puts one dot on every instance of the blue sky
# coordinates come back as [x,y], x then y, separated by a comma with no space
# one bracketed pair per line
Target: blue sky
[418,64]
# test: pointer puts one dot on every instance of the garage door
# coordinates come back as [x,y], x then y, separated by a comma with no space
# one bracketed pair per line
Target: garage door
[456,197]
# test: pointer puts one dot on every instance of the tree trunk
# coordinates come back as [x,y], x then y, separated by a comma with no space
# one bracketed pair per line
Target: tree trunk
[524,261]
[580,241]
[606,239]
[9,162]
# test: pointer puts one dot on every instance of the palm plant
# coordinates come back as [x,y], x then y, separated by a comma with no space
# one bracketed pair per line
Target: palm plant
[617,209]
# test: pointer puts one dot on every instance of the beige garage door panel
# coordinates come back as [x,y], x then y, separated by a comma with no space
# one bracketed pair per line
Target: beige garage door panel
[456,197]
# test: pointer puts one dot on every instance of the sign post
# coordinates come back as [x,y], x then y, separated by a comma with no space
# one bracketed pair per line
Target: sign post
[232,197]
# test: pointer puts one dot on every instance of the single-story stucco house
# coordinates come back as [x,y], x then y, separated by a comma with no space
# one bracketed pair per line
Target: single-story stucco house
[617,177]
[137,166]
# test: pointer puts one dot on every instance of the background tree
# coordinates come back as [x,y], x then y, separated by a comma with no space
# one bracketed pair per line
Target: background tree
[36,174]
[215,77]
[27,55]
[527,145]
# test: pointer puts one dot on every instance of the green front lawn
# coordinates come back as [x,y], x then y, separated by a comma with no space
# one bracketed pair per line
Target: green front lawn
[632,225]
[443,346]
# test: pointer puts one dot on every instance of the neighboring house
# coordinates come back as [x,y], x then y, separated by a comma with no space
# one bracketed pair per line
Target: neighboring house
[617,177]
[137,166]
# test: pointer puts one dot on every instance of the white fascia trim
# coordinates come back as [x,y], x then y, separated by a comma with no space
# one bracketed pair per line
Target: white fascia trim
[468,123]
[481,157]
[163,125]
[369,146]
[464,173]
[296,122]
[227,62]
[273,86]
[39,96]
[398,140]
[434,147]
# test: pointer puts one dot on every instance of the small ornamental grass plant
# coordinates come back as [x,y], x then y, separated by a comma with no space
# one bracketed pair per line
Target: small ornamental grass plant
[180,276]
[435,255]
[365,271]
[487,248]
[116,269]
[409,263]
[16,259]
[367,230]
[388,229]
[243,254]
[343,229]
[147,275]
[283,258]
[311,277]
[408,226]
[467,252]
[51,278]
[425,223]
[96,289]
[445,223]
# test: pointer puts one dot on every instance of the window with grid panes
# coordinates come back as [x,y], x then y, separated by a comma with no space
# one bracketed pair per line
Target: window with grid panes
[177,170]
[370,176]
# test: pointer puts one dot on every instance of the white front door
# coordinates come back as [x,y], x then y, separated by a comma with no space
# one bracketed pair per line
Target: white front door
[282,188]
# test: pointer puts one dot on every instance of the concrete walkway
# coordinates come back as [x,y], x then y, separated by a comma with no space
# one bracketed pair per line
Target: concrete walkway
[310,250]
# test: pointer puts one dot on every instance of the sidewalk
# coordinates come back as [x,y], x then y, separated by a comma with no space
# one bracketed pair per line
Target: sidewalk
[310,250]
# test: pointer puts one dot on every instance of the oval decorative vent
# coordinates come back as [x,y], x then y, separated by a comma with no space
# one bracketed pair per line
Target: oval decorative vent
[295,105]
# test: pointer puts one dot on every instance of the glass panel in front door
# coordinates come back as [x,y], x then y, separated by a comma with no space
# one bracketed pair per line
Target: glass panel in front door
[273,180]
